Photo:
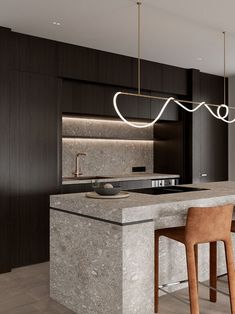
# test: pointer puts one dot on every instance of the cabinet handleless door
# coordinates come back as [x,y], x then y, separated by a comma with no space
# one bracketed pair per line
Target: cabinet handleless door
[82,98]
[34,164]
[129,106]
[34,54]
[174,80]
[212,133]
[77,62]
[115,69]
[5,215]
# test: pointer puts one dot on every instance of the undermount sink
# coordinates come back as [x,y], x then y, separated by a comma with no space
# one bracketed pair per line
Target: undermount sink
[86,178]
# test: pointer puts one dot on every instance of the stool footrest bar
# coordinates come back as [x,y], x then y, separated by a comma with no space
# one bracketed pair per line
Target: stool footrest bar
[218,290]
[173,296]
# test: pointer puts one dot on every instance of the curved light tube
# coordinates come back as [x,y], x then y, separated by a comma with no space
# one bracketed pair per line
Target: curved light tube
[134,124]
[217,115]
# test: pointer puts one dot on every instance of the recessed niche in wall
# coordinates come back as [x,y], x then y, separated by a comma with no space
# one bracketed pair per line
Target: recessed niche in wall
[112,147]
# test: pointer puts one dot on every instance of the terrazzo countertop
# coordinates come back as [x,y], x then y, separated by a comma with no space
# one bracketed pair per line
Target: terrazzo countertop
[140,207]
[130,177]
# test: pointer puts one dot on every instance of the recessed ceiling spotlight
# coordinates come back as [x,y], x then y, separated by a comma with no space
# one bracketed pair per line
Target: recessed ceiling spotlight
[56,23]
[199,59]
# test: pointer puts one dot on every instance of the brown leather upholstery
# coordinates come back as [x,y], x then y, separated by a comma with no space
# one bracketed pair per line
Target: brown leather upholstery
[213,267]
[204,224]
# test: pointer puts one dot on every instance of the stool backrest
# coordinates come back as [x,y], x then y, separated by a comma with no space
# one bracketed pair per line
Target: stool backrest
[208,224]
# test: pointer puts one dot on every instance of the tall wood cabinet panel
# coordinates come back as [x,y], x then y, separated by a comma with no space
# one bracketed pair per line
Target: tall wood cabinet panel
[114,69]
[134,107]
[77,62]
[82,98]
[174,80]
[34,54]
[5,51]
[213,134]
[171,113]
[151,75]
[34,163]
[96,99]
[169,148]
[5,214]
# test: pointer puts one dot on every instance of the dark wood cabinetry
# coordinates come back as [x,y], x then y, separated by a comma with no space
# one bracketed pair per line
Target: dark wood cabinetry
[30,121]
[82,98]
[212,133]
[151,75]
[115,69]
[77,62]
[34,163]
[174,80]
[33,54]
[171,112]
[209,149]
[169,148]
[96,99]
[5,213]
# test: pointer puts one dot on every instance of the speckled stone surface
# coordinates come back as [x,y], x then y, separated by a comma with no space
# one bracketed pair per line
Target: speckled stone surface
[97,268]
[167,210]
[103,128]
[105,157]
[70,233]
[129,177]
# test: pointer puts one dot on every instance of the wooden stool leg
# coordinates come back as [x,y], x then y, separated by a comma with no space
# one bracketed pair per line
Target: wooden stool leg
[156,276]
[192,277]
[213,271]
[231,273]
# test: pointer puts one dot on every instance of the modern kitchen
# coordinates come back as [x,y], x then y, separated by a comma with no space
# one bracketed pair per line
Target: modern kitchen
[117,176]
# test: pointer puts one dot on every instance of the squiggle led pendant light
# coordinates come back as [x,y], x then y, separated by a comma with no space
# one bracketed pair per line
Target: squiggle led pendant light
[218,115]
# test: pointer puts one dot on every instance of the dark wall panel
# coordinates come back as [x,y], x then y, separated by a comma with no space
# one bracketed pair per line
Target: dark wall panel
[213,133]
[77,62]
[169,148]
[5,215]
[34,163]
[34,54]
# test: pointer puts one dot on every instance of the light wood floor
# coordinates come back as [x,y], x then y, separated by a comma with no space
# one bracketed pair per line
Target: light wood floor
[26,291]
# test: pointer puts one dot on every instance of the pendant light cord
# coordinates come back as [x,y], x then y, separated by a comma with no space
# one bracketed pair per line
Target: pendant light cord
[224,33]
[139,70]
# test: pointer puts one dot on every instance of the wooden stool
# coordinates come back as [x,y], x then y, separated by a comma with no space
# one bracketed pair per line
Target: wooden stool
[213,267]
[204,225]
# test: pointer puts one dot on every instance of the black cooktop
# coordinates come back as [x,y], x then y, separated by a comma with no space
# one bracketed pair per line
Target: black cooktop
[168,190]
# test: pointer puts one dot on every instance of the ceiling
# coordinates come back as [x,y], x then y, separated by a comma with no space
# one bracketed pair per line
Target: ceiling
[185,33]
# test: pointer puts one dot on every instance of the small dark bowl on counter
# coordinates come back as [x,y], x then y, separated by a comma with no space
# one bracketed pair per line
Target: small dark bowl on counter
[107,191]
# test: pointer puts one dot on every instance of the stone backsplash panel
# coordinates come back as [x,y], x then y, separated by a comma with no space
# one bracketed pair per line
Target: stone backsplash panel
[105,156]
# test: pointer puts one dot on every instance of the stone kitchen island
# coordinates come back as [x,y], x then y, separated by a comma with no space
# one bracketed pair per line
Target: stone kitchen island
[102,251]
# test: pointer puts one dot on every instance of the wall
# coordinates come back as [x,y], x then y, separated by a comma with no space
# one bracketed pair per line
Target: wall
[232,130]
[112,147]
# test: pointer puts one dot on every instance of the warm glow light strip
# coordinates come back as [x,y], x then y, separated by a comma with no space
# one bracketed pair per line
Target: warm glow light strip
[217,115]
[107,139]
[98,120]
[168,100]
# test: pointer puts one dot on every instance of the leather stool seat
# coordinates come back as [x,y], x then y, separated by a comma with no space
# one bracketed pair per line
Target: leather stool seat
[204,225]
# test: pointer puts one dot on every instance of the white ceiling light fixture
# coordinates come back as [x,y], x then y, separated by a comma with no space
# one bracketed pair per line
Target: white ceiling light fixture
[220,108]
